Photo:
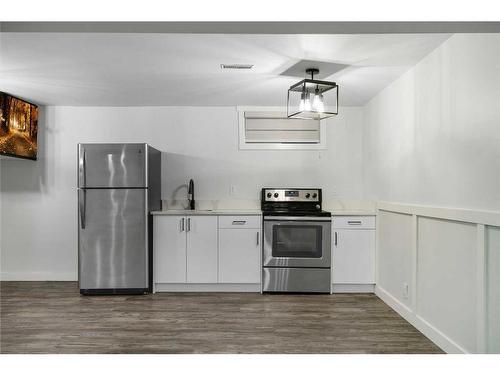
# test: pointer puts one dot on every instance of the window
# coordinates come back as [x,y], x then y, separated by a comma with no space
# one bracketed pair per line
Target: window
[261,129]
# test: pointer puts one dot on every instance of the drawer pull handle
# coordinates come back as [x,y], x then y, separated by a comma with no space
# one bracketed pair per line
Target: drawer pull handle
[354,222]
[239,222]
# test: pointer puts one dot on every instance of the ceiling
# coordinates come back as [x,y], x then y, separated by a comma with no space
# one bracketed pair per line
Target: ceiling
[142,69]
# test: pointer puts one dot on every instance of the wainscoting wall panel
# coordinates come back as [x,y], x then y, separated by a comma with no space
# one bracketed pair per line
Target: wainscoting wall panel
[394,254]
[446,281]
[493,288]
[453,274]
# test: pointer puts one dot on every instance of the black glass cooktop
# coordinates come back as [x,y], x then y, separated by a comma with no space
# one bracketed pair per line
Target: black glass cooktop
[297,213]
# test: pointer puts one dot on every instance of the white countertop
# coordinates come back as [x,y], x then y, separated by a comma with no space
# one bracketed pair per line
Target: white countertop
[208,212]
[255,212]
[352,212]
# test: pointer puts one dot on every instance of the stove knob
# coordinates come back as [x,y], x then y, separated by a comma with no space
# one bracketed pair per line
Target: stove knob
[315,195]
[275,195]
[269,195]
[308,195]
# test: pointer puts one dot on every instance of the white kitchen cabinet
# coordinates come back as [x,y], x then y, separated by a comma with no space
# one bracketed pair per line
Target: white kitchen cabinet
[194,253]
[201,233]
[239,255]
[169,249]
[353,251]
[185,249]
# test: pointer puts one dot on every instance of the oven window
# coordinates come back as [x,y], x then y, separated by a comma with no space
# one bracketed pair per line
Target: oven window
[297,241]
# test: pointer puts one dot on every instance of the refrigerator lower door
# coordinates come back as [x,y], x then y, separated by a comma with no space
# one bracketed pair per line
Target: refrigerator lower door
[112,243]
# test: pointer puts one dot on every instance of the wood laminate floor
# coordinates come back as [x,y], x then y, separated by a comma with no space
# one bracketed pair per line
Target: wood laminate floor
[52,317]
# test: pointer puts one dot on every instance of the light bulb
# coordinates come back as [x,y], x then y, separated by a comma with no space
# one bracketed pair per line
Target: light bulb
[307,102]
[302,103]
[316,102]
[320,107]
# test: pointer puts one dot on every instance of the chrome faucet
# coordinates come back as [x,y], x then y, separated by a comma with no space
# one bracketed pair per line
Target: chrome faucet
[191,194]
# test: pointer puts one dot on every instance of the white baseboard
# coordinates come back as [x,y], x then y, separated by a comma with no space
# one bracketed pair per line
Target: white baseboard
[431,332]
[38,276]
[250,288]
[353,288]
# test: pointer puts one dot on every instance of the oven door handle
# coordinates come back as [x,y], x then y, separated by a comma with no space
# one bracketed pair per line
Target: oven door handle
[296,218]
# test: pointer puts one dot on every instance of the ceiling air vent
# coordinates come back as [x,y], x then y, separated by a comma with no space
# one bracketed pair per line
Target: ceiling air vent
[236,66]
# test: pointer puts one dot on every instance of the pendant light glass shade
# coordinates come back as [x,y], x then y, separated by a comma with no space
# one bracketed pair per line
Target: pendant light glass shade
[318,103]
[312,99]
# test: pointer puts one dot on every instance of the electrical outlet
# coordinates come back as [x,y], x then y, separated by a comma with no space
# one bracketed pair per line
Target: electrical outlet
[406,290]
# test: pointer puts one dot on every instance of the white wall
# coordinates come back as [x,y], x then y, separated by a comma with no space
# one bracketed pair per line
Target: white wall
[39,238]
[433,137]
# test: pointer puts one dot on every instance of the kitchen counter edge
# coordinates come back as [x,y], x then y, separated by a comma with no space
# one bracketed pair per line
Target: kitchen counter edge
[202,212]
[352,213]
[253,212]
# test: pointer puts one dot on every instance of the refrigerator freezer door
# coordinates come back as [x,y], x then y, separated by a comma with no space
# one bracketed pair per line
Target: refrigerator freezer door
[112,165]
[112,239]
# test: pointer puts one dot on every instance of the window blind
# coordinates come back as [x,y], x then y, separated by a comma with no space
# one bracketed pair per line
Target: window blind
[275,127]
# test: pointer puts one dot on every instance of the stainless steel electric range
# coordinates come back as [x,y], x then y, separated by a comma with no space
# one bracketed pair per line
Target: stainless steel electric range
[296,254]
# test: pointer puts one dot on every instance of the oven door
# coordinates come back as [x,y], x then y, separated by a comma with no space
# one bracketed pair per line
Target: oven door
[297,242]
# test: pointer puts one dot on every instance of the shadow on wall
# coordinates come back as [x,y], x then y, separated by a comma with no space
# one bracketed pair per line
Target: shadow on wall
[178,198]
[20,175]
[178,169]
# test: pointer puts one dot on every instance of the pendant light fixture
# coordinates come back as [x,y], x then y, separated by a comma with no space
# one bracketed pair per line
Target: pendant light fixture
[313,99]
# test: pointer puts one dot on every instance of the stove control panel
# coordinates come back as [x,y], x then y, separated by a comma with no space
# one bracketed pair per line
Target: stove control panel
[291,195]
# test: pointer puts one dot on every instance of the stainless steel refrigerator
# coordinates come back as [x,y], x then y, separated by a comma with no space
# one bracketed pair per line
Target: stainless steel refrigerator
[118,186]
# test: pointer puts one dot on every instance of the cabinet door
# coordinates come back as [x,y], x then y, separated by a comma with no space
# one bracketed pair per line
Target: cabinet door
[169,249]
[201,249]
[239,255]
[354,256]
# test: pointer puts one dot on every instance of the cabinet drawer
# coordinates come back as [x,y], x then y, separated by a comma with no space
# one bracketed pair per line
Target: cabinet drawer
[228,222]
[353,222]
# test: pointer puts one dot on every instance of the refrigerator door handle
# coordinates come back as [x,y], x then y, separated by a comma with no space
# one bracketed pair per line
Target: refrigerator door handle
[82,194]
[84,170]
[81,167]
